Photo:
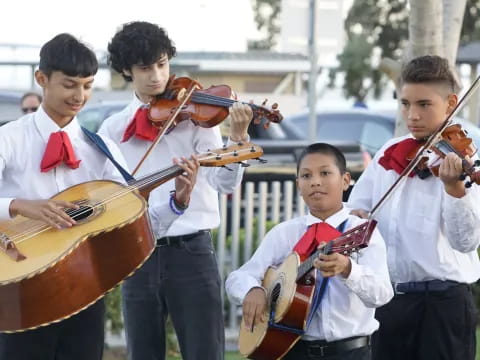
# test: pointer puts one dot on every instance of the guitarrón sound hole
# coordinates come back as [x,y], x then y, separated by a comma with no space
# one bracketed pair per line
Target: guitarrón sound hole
[81,213]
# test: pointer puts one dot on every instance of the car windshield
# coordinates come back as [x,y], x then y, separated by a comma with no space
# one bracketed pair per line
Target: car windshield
[369,130]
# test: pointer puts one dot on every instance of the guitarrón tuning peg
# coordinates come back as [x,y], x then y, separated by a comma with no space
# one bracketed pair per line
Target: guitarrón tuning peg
[226,167]
[244,164]
[262,161]
[264,102]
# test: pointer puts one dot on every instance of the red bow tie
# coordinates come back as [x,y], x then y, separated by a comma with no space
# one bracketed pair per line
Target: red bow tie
[395,157]
[140,126]
[59,149]
[316,234]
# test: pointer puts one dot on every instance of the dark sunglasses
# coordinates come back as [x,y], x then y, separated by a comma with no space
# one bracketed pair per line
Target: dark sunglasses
[27,110]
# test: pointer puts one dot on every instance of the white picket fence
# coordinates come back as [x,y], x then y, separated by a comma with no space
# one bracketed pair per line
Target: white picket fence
[251,210]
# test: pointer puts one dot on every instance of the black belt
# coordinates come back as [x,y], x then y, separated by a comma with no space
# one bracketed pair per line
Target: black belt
[423,286]
[178,240]
[322,348]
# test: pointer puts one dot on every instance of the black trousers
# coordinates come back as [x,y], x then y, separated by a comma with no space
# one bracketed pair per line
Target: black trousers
[80,337]
[181,280]
[300,352]
[427,326]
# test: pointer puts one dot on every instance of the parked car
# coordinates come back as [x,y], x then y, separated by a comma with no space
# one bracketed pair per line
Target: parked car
[367,128]
[92,115]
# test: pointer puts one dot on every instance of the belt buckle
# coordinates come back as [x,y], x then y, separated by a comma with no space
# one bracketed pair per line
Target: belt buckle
[315,346]
[395,289]
[167,242]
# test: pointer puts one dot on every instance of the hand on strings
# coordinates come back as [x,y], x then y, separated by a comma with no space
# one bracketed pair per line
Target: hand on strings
[184,183]
[360,213]
[51,212]
[449,172]
[333,264]
[240,117]
[254,307]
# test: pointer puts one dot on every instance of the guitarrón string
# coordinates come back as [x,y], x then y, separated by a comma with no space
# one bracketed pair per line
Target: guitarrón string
[145,181]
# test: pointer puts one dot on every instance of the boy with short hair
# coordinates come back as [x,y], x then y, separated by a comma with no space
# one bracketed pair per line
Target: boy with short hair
[41,154]
[344,321]
[431,230]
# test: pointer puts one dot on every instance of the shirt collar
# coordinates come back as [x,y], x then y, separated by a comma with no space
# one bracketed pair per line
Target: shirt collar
[47,126]
[334,220]
[136,102]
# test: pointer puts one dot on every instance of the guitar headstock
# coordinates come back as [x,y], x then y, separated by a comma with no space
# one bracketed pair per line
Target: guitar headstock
[261,112]
[354,239]
[231,154]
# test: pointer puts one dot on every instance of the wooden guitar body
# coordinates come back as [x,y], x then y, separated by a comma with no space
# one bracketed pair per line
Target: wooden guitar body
[67,270]
[47,275]
[292,308]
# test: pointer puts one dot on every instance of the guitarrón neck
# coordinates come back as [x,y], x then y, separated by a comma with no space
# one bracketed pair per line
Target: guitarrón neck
[307,265]
[149,182]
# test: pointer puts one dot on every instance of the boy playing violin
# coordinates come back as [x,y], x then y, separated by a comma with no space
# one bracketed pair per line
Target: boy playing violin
[430,226]
[341,326]
[181,278]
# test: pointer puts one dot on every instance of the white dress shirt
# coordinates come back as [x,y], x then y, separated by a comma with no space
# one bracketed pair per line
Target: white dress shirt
[347,307]
[186,139]
[22,146]
[428,233]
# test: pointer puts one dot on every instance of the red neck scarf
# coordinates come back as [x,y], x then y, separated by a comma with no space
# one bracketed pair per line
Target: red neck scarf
[316,234]
[141,127]
[395,157]
[59,149]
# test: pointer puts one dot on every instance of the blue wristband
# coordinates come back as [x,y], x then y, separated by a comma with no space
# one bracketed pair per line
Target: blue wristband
[176,210]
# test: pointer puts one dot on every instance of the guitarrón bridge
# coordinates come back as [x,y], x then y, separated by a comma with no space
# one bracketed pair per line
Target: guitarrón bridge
[8,246]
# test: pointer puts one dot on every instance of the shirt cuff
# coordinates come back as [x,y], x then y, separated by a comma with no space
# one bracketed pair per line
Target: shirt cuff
[5,208]
[249,285]
[354,277]
[467,199]
[231,142]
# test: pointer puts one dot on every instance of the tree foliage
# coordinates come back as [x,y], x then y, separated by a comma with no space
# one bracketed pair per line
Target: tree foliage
[266,18]
[374,29]
[377,29]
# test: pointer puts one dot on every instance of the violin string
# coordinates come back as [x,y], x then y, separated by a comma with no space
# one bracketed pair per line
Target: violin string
[145,181]
[218,100]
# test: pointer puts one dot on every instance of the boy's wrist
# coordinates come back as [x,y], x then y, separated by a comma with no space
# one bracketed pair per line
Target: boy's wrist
[177,207]
[456,189]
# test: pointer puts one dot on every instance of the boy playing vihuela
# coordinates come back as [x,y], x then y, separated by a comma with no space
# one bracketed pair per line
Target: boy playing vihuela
[342,324]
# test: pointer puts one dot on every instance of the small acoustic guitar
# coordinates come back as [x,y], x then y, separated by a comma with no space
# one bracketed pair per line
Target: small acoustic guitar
[290,288]
[47,274]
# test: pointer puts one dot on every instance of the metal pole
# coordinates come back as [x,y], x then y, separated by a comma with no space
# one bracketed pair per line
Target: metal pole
[312,81]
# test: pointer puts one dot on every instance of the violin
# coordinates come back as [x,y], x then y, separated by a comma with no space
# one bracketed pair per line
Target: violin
[205,107]
[452,139]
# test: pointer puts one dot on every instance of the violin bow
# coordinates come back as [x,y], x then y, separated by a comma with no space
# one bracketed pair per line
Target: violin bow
[168,123]
[404,174]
